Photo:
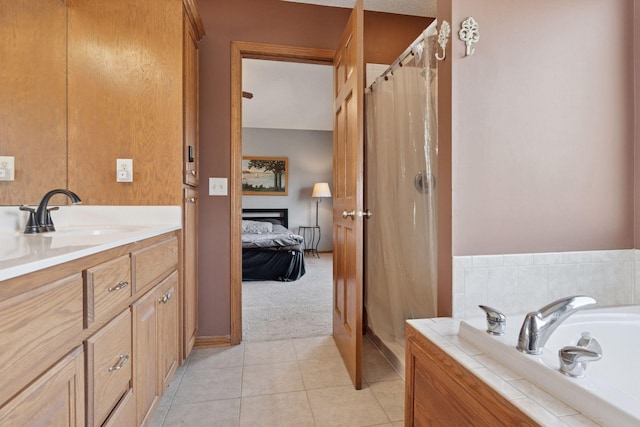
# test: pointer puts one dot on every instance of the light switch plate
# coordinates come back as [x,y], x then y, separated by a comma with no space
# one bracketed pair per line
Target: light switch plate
[124,170]
[7,168]
[218,186]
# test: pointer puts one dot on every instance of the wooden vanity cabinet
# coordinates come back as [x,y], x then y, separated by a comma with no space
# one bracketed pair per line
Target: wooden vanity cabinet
[76,353]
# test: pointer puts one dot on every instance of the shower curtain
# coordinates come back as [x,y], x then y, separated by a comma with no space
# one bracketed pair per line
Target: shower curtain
[401,191]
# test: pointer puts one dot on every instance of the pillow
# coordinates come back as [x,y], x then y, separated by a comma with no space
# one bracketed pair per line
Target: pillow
[256,227]
[273,221]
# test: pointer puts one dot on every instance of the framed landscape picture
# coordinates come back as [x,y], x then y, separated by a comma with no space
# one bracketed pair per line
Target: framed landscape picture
[265,176]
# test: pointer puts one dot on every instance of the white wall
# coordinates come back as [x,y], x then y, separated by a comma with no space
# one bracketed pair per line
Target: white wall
[310,156]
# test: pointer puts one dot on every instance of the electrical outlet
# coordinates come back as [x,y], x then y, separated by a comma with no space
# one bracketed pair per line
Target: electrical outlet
[217,186]
[124,170]
[7,168]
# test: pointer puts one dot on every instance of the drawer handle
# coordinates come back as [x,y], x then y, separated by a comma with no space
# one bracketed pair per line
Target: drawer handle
[164,298]
[124,358]
[119,286]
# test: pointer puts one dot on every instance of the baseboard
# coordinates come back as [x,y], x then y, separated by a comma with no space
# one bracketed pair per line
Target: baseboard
[398,365]
[211,342]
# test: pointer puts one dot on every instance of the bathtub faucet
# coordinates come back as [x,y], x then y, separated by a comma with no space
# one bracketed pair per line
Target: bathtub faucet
[539,325]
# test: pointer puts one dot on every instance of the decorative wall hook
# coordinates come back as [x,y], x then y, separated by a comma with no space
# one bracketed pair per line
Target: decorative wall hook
[443,37]
[469,34]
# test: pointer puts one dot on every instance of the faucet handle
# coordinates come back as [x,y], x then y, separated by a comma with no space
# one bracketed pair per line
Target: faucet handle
[32,224]
[48,226]
[574,359]
[496,320]
[590,343]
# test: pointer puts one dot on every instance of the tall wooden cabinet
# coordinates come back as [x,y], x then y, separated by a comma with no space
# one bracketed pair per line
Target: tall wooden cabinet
[190,270]
[193,31]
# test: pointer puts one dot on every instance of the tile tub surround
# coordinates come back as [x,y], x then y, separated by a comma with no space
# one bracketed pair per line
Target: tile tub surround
[518,283]
[533,401]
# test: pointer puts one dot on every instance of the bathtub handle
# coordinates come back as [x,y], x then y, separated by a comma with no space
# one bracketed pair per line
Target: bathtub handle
[586,341]
[496,320]
[574,359]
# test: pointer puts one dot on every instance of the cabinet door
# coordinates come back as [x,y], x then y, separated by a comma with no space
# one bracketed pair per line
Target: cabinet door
[37,328]
[168,311]
[190,271]
[145,354]
[54,399]
[190,94]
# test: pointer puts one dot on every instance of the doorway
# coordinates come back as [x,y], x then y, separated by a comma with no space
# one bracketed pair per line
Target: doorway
[286,114]
[240,51]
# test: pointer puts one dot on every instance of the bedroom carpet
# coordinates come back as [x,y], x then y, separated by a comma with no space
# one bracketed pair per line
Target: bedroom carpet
[274,310]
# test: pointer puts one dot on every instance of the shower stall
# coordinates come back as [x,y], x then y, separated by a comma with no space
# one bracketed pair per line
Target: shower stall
[401,190]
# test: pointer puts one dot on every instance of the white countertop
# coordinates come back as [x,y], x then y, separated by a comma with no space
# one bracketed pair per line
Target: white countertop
[80,231]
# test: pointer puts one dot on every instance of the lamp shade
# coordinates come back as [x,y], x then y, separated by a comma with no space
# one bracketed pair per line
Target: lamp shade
[321,189]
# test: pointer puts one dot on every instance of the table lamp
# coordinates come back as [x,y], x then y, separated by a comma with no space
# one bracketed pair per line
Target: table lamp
[320,190]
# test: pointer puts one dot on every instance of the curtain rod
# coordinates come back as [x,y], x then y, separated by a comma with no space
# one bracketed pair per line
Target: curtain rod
[408,51]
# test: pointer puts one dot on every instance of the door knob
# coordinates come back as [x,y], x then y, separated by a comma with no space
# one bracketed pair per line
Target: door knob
[367,213]
[346,214]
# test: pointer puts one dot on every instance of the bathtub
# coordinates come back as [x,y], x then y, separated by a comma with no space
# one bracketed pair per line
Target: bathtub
[610,391]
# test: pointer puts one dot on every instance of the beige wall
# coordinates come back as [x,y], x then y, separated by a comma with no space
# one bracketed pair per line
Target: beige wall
[543,127]
[636,50]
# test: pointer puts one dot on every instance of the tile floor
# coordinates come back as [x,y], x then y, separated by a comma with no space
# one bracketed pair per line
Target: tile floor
[296,382]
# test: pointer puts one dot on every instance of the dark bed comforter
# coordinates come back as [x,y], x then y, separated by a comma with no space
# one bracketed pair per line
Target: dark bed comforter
[275,255]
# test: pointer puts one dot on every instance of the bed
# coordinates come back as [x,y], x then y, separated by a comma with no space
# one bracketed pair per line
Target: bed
[270,251]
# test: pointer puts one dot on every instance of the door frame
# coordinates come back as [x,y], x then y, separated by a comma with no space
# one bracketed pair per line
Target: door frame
[239,51]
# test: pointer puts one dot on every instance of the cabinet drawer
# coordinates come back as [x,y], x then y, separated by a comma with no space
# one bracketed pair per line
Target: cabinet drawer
[107,289]
[124,415]
[153,263]
[108,367]
[37,328]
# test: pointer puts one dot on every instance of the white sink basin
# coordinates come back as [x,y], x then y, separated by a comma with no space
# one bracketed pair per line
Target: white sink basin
[92,231]
[13,248]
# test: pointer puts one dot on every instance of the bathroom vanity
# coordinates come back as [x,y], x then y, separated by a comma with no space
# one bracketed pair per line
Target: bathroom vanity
[94,339]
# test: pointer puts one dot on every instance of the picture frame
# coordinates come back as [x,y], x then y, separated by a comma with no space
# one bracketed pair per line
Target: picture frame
[265,176]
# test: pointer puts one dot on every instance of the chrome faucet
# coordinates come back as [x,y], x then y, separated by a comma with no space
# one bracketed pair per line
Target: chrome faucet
[496,320]
[574,359]
[539,325]
[40,219]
